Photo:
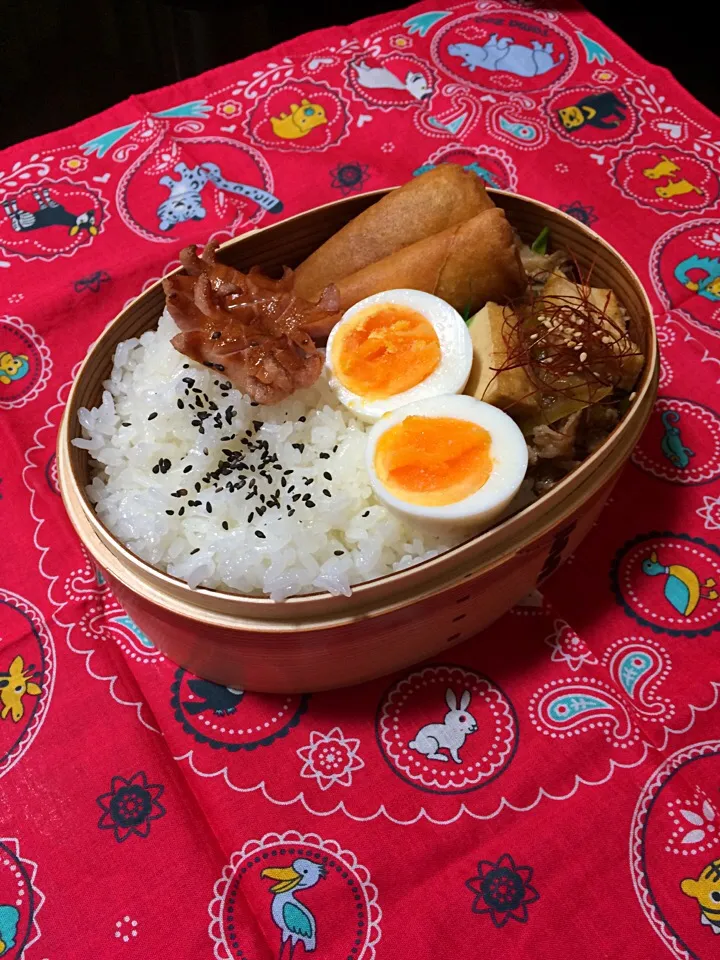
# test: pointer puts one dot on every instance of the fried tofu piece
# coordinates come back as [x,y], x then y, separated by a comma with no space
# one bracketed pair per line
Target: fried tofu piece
[558,286]
[491,331]
[630,360]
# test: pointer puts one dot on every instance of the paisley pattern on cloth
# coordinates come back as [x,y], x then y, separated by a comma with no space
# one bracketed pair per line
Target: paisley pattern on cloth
[466,804]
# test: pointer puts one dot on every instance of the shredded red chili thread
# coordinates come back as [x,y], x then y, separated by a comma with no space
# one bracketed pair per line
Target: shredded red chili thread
[568,346]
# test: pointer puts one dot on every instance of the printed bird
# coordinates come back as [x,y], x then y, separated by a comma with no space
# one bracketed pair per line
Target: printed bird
[682,588]
[295,922]
[9,917]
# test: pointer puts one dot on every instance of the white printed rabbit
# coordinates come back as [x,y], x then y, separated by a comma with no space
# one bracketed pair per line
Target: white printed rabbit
[450,734]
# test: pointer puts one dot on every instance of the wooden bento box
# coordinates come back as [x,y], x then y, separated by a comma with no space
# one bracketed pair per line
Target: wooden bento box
[319,641]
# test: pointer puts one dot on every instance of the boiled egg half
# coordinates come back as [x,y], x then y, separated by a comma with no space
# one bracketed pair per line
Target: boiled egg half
[449,461]
[395,348]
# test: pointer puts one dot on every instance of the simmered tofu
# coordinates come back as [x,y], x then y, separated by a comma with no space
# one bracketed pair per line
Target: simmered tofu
[511,390]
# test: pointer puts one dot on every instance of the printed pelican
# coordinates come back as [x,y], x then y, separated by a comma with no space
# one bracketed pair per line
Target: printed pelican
[295,921]
[683,588]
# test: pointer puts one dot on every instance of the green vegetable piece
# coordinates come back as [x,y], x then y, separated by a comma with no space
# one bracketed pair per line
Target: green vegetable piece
[540,245]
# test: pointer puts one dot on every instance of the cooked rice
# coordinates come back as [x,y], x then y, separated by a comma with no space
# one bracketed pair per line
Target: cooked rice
[337,536]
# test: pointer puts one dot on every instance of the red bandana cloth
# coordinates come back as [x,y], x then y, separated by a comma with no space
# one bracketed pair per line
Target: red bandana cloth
[147,813]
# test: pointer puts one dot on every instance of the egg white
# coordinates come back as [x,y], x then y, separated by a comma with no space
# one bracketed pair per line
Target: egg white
[508,451]
[451,373]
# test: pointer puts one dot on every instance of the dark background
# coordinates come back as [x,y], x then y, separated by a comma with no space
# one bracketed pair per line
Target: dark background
[62,60]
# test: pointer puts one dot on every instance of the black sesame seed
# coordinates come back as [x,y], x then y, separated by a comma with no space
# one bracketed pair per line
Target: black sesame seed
[152,415]
[261,511]
[186,366]
[283,482]
[250,516]
[181,405]
[367,513]
[259,533]
[310,504]
[338,553]
[205,451]
[299,446]
[290,512]
[324,456]
[287,472]
[328,476]
[216,334]
[250,495]
[302,419]
[196,423]
[335,448]
[156,469]
[327,493]
[208,507]
[196,550]
[181,511]
[126,424]
[257,424]
[170,513]
[225,525]
[296,498]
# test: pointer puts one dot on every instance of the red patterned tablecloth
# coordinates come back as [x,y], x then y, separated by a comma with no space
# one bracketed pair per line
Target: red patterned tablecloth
[140,806]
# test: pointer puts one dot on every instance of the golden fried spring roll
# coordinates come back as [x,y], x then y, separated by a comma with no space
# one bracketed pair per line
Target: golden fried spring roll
[467,265]
[428,204]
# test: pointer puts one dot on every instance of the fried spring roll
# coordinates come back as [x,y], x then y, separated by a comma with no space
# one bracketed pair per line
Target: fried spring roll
[466,265]
[428,204]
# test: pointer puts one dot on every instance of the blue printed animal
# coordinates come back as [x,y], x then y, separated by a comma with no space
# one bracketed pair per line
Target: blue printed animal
[507,55]
[683,589]
[295,921]
[185,200]
[671,444]
[709,285]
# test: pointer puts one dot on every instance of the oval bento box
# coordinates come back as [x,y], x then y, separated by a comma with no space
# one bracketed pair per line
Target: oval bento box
[319,641]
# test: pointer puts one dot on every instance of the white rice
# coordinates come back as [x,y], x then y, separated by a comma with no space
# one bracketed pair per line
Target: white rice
[344,539]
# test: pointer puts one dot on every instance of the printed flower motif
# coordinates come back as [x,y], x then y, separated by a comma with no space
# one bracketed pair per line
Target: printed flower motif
[665,335]
[349,177]
[604,76]
[130,806]
[562,167]
[16,297]
[73,164]
[330,758]
[695,823]
[228,108]
[387,147]
[502,890]
[582,212]
[401,42]
[712,241]
[567,647]
[710,513]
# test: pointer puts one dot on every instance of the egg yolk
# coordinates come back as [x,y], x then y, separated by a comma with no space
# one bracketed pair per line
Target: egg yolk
[433,461]
[385,350]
